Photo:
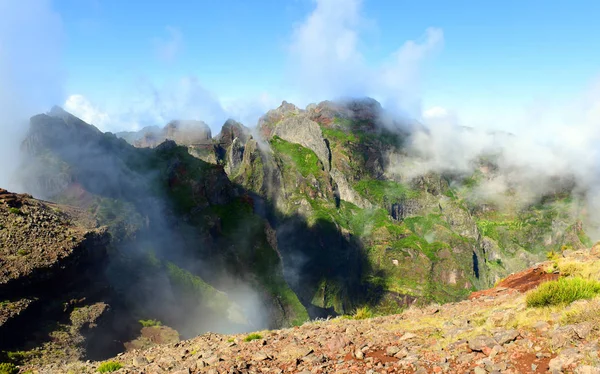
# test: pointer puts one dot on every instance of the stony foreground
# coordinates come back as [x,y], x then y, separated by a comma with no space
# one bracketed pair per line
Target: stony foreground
[492,332]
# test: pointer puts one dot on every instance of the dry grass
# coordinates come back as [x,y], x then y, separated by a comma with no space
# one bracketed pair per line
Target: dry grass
[586,270]
[584,311]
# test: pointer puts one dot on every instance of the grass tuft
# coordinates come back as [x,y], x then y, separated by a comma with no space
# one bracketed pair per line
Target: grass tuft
[253,336]
[150,322]
[563,291]
[8,368]
[363,313]
[109,367]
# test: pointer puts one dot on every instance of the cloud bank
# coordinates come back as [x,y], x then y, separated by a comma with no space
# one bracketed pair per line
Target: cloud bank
[326,60]
[31,77]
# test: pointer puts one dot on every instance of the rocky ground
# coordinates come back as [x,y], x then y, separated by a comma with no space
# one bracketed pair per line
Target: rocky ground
[35,236]
[491,332]
[48,254]
[40,242]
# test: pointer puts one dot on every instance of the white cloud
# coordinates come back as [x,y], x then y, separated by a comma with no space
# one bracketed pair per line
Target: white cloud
[81,107]
[248,111]
[324,49]
[185,98]
[167,48]
[398,81]
[31,78]
[436,112]
[552,141]
[326,62]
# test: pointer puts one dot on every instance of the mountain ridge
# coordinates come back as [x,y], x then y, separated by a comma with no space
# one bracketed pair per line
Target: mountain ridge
[316,213]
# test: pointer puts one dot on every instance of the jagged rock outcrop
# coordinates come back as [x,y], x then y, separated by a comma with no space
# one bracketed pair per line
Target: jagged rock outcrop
[273,116]
[233,130]
[301,130]
[235,156]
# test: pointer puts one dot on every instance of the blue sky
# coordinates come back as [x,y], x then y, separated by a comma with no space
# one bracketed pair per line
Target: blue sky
[481,60]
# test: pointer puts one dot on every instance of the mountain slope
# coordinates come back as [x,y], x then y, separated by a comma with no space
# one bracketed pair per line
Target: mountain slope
[186,247]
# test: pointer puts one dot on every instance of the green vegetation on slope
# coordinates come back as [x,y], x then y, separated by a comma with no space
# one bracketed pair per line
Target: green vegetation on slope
[8,368]
[339,135]
[244,231]
[383,191]
[193,286]
[306,160]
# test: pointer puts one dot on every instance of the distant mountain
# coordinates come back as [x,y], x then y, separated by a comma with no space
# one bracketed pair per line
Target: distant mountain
[183,132]
[133,136]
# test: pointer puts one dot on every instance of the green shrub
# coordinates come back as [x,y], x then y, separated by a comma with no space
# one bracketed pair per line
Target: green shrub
[109,367]
[563,291]
[363,313]
[8,368]
[150,322]
[18,357]
[14,210]
[253,336]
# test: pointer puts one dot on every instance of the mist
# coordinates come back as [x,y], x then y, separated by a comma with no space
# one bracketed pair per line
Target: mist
[553,152]
[31,75]
[32,78]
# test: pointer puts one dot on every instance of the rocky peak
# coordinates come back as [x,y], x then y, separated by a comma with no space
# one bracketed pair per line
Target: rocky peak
[326,112]
[183,132]
[365,108]
[232,130]
[188,132]
[273,116]
[57,127]
[287,107]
